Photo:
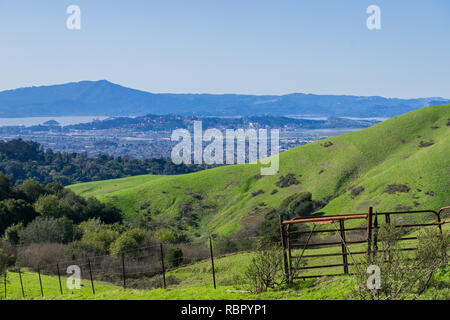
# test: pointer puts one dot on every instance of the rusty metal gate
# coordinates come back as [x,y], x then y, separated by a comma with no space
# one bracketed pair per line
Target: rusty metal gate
[361,235]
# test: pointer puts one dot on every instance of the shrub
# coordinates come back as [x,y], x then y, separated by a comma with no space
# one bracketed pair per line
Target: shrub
[129,240]
[257,193]
[356,191]
[41,254]
[265,270]
[403,276]
[397,188]
[287,181]
[49,230]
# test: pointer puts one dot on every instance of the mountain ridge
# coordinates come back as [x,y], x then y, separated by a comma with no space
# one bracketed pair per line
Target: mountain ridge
[98,98]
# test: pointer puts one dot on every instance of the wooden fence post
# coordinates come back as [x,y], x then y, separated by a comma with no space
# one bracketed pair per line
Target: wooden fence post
[212,261]
[59,279]
[90,275]
[283,242]
[123,271]
[369,231]
[21,283]
[343,246]
[40,281]
[163,266]
[4,276]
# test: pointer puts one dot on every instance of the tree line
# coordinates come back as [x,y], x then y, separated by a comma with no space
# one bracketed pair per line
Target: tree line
[23,160]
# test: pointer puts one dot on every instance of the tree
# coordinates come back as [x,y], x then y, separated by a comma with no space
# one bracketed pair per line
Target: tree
[49,230]
[32,190]
[51,206]
[4,262]
[12,233]
[14,211]
[5,187]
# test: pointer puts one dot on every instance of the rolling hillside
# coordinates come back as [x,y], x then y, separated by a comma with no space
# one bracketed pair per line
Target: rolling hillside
[397,164]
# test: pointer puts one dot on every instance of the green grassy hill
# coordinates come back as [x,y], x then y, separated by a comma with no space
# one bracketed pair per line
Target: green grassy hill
[351,172]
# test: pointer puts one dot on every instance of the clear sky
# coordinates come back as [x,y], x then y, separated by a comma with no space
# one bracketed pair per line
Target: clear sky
[232,46]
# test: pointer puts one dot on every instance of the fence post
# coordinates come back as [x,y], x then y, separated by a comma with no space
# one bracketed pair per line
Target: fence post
[90,275]
[283,242]
[59,279]
[375,236]
[123,271]
[388,221]
[369,230]
[212,261]
[40,281]
[343,246]
[21,283]
[162,265]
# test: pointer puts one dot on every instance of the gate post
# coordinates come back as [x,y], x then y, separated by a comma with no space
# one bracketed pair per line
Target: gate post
[369,230]
[283,242]
[344,246]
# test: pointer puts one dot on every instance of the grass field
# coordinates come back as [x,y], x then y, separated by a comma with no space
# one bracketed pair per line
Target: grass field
[195,282]
[409,150]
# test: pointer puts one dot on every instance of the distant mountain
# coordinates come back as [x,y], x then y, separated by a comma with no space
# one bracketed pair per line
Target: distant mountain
[103,98]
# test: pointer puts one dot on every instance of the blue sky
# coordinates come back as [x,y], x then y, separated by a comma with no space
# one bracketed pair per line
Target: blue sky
[233,46]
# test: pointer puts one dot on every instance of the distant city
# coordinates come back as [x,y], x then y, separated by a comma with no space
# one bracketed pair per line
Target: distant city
[149,136]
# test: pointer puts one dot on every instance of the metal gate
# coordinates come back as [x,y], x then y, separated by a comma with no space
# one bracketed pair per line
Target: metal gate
[360,238]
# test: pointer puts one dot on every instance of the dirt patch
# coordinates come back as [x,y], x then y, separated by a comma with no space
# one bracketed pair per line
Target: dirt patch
[397,188]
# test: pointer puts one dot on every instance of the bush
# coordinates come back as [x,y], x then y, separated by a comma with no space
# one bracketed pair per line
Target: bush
[403,276]
[287,181]
[129,240]
[41,254]
[49,230]
[98,235]
[265,271]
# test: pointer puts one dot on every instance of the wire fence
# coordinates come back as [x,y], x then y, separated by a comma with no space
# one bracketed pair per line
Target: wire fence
[151,267]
